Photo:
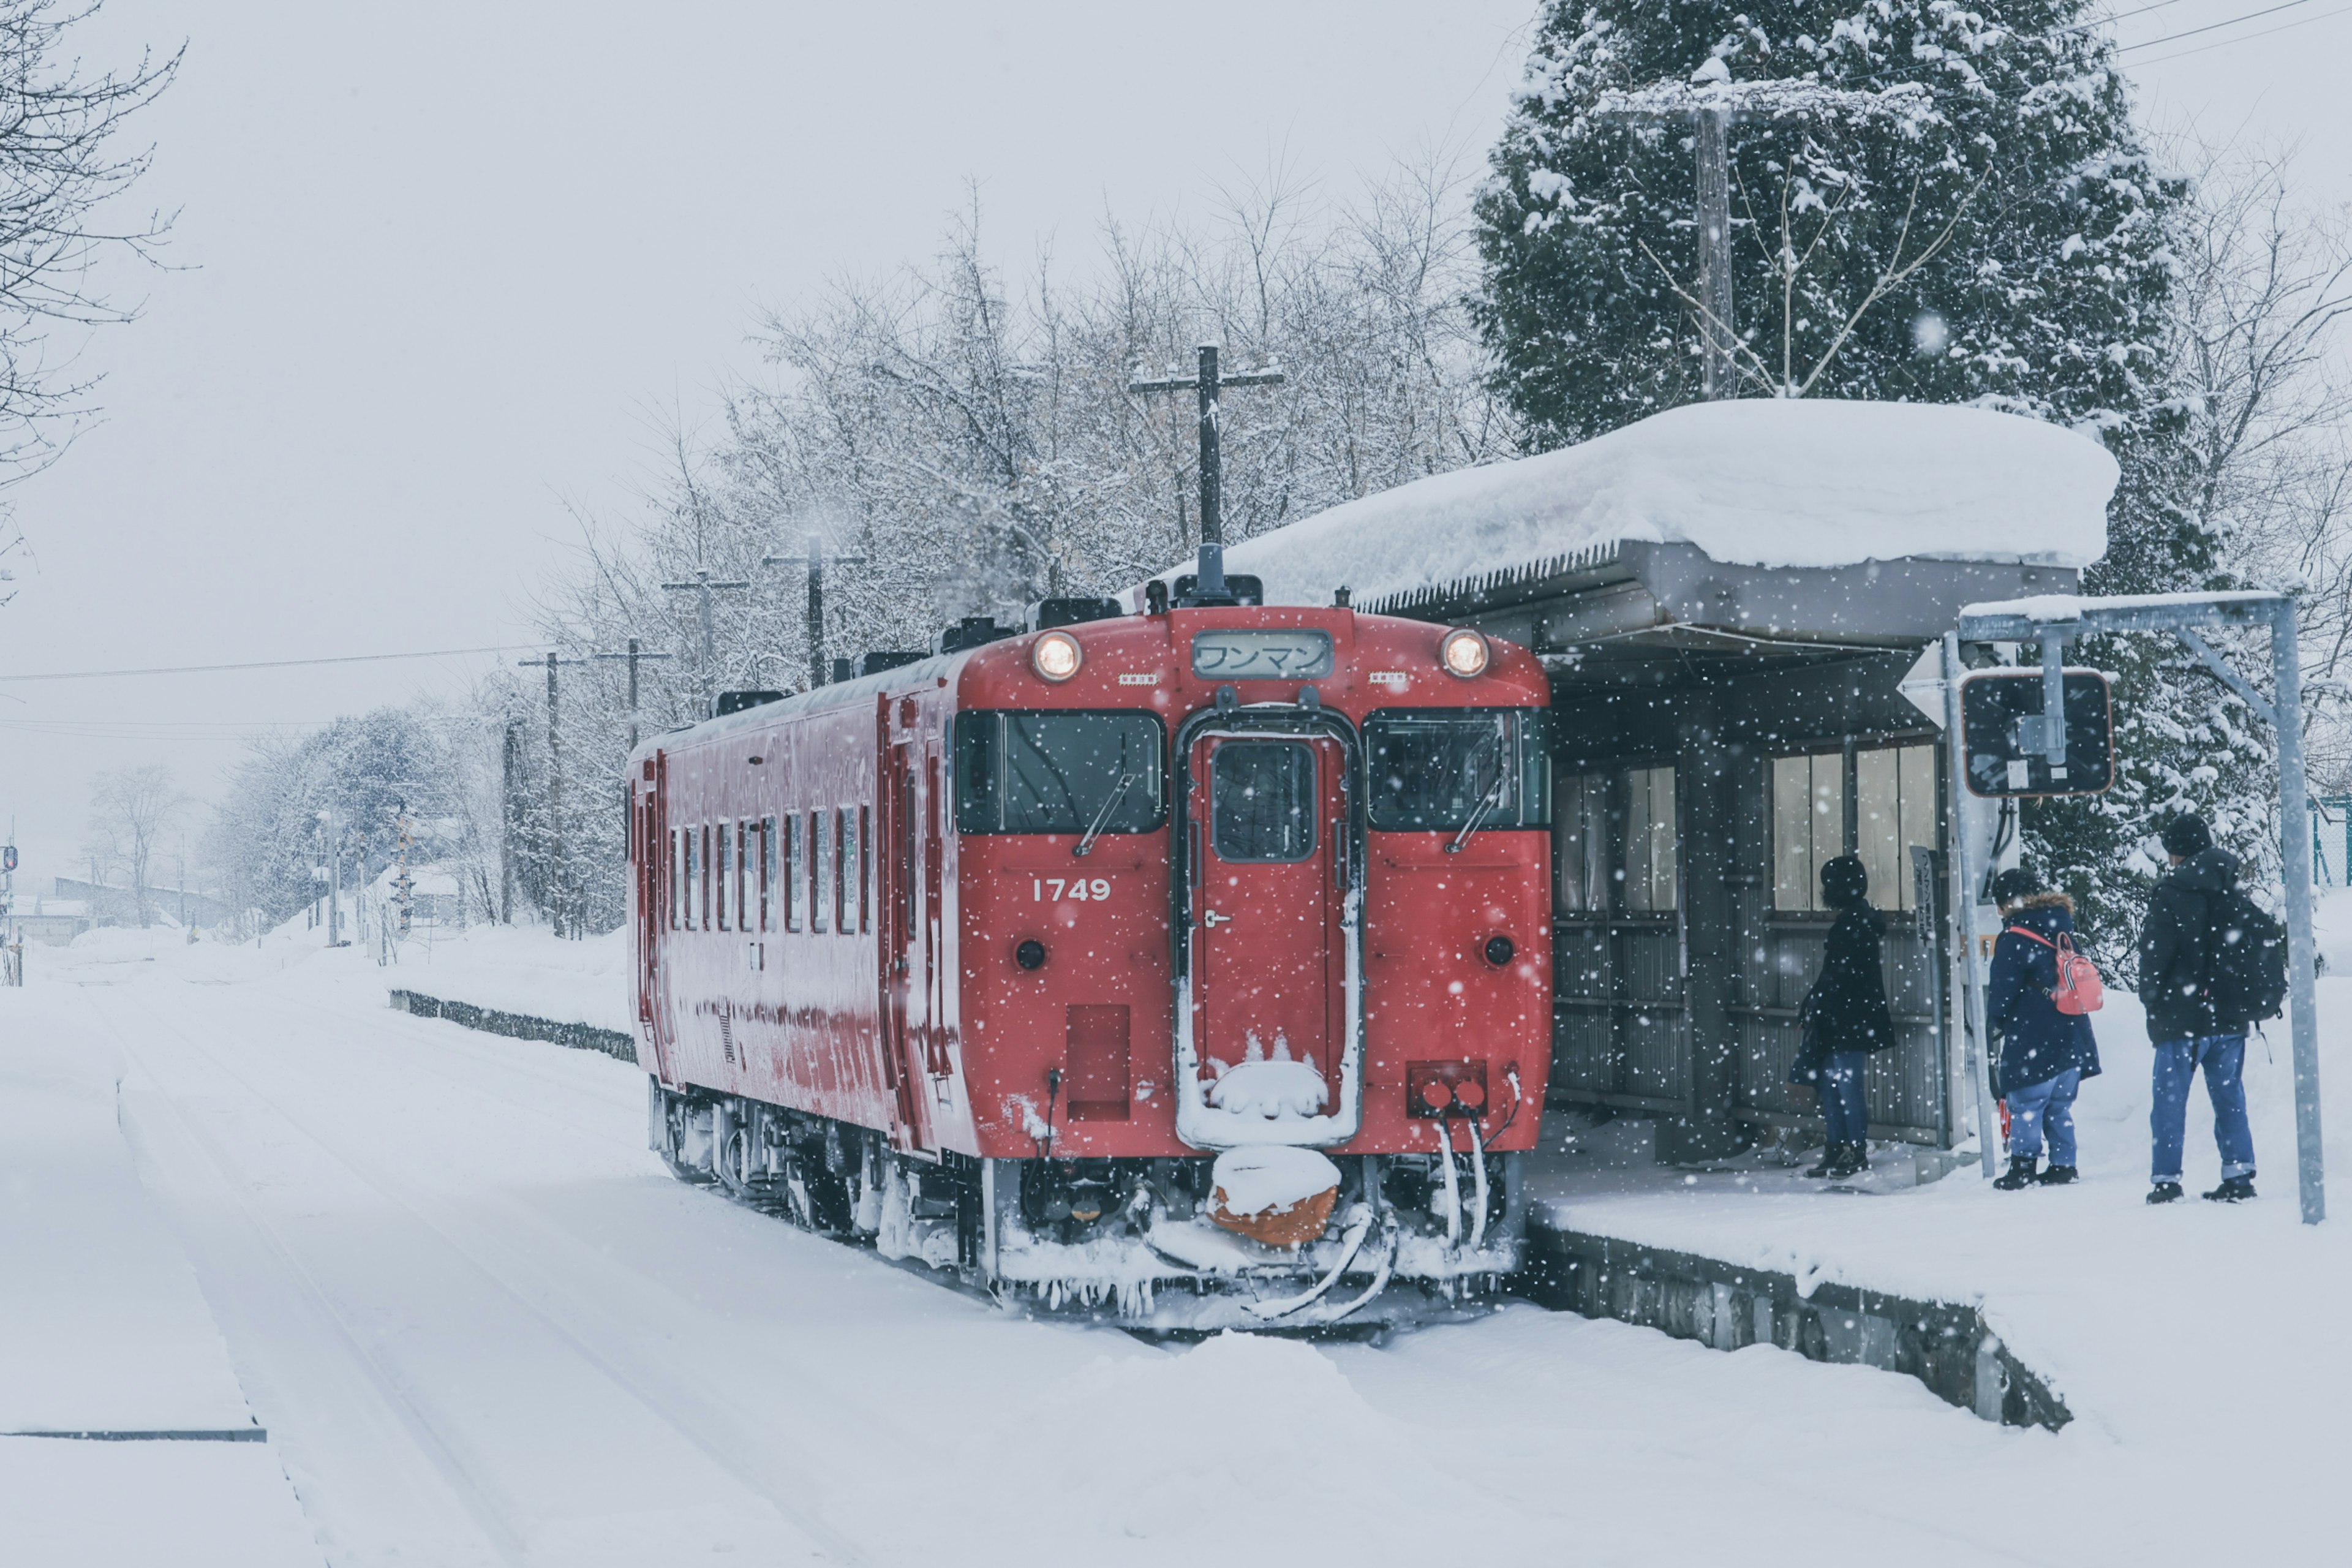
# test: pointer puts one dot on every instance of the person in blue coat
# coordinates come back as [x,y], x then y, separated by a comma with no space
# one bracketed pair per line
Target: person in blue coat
[2045,1055]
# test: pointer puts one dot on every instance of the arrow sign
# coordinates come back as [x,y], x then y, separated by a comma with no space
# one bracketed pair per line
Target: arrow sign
[1923,685]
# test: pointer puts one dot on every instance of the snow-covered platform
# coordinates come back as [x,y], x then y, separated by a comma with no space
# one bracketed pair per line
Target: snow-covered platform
[2155,1323]
[124,1435]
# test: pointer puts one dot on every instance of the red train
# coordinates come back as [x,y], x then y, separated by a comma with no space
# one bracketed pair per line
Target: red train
[1189,966]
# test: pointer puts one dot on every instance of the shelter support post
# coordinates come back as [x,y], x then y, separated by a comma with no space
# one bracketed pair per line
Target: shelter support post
[2301,990]
[1977,1036]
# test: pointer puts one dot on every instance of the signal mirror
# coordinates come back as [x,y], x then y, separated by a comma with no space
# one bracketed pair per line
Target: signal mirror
[2014,749]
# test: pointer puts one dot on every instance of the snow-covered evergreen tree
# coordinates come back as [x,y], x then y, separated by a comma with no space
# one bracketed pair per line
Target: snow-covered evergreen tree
[1940,202]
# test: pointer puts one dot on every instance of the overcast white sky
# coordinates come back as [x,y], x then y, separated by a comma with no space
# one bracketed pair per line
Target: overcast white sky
[445,265]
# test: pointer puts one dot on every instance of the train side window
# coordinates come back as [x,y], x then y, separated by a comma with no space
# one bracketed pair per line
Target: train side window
[677,878]
[767,873]
[820,873]
[794,872]
[844,849]
[693,875]
[724,854]
[740,872]
[864,868]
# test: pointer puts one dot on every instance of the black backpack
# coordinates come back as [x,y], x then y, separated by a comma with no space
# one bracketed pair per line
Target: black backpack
[2245,961]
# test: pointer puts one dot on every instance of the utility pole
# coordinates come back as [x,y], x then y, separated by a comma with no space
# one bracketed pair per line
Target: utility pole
[1210,384]
[506,838]
[559,903]
[634,657]
[1709,102]
[702,587]
[814,559]
[334,878]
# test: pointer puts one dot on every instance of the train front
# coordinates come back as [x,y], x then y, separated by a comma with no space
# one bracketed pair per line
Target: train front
[1255,960]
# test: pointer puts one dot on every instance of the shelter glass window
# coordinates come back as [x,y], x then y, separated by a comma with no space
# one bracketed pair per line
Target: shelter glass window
[1581,844]
[1894,809]
[1432,770]
[821,895]
[1808,818]
[1653,853]
[1057,772]
[1262,801]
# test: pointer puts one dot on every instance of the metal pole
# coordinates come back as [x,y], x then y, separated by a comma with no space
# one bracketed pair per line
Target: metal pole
[1978,1039]
[633,694]
[334,883]
[816,612]
[709,648]
[1213,474]
[555,890]
[505,837]
[2303,999]
[1712,147]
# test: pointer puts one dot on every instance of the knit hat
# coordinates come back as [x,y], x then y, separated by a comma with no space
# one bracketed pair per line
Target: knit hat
[2015,886]
[2187,835]
[1845,882]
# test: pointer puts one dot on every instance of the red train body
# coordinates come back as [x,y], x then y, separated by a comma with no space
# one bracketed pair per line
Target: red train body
[990,965]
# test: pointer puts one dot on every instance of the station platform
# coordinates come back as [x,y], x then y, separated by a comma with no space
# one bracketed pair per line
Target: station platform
[124,1435]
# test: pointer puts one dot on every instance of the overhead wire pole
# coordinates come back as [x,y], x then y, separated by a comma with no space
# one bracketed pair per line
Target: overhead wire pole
[1709,104]
[815,559]
[1211,383]
[702,587]
[634,657]
[558,889]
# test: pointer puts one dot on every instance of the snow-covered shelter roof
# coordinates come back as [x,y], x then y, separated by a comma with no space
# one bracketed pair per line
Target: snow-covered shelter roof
[1754,482]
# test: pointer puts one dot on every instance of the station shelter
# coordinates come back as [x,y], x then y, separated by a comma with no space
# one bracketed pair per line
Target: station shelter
[1728,597]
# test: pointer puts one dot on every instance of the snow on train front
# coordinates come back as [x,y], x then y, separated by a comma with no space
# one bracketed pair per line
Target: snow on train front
[1190,967]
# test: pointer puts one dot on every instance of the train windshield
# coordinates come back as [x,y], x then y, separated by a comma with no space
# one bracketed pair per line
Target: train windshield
[1058,773]
[1436,770]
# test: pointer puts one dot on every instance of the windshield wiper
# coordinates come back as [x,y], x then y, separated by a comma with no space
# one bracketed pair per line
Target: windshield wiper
[1093,829]
[1488,802]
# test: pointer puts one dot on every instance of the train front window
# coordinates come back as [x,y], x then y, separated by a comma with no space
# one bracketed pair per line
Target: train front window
[1436,770]
[1058,773]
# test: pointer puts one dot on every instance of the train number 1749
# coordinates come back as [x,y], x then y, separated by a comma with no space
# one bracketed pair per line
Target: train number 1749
[1051,889]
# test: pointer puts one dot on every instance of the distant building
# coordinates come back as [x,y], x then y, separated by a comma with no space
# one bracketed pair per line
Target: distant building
[110,905]
[47,921]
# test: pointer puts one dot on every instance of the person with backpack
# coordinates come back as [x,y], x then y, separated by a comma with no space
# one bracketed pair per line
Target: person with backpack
[2211,963]
[1845,1017]
[2040,1001]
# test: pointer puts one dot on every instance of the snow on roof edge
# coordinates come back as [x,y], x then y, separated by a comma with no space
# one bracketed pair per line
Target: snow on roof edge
[1759,482]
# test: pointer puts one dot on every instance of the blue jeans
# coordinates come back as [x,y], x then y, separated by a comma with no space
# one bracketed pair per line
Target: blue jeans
[1843,1102]
[2045,1107]
[2223,1058]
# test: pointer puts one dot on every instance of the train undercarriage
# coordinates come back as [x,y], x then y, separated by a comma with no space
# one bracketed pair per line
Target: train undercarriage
[1411,1237]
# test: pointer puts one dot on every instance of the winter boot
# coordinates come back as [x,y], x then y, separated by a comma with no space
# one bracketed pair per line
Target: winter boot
[2020,1173]
[1833,1159]
[2057,1176]
[1857,1159]
[2165,1192]
[2232,1190]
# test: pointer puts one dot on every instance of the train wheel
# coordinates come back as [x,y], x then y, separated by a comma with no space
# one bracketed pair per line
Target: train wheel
[684,1137]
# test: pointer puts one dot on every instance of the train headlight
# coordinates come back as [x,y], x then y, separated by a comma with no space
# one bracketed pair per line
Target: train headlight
[1056,656]
[1464,653]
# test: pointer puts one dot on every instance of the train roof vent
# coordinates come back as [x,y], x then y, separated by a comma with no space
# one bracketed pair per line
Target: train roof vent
[1047,613]
[973,631]
[736,701]
[890,659]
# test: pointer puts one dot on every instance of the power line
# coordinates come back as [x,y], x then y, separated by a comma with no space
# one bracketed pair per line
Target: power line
[262,663]
[2244,37]
[2213,27]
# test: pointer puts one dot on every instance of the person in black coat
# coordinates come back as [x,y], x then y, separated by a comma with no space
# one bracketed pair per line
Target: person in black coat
[2044,1054]
[2175,974]
[1845,1017]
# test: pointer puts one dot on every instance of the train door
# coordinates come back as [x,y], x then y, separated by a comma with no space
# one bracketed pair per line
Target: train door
[654,894]
[1268,862]
[906,958]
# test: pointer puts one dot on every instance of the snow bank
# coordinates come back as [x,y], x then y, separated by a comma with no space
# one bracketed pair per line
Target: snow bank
[1759,482]
[526,970]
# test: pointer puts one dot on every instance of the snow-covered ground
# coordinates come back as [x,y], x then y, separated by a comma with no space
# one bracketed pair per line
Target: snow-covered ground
[518,969]
[483,1326]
